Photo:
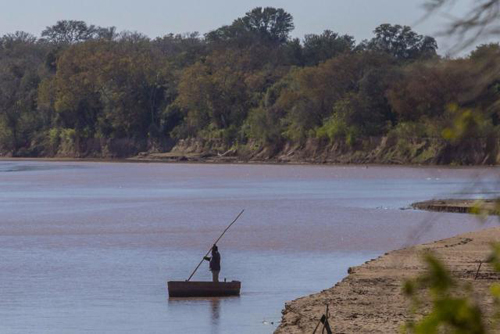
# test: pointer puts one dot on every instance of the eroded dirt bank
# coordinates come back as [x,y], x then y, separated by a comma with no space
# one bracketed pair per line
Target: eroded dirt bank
[370,299]
[376,150]
[370,150]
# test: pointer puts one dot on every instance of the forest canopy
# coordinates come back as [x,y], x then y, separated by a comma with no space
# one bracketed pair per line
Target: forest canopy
[83,90]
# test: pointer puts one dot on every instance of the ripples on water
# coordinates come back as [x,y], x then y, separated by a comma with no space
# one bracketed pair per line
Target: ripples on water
[88,247]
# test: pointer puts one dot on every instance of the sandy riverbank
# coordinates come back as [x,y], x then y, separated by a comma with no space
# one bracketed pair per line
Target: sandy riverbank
[488,206]
[370,299]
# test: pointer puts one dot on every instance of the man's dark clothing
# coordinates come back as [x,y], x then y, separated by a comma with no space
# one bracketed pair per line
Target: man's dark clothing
[214,264]
[215,261]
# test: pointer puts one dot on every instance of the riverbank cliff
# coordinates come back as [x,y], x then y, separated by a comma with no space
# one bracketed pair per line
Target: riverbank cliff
[376,150]
[371,150]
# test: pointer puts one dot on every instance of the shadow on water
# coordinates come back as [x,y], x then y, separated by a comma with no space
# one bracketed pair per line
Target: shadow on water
[15,167]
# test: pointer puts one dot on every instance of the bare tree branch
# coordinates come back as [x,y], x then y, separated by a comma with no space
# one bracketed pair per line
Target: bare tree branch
[480,22]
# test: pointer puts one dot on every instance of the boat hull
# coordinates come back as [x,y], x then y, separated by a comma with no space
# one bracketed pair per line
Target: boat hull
[203,289]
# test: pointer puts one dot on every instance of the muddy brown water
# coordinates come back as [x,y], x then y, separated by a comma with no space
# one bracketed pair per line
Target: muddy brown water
[88,247]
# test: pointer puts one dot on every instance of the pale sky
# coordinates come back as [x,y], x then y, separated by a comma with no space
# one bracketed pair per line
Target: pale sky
[159,17]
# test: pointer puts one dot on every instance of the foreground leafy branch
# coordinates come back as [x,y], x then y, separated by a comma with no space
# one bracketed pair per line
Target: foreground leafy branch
[452,307]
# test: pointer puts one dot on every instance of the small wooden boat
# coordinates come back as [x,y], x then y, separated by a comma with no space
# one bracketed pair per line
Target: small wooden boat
[189,288]
[203,289]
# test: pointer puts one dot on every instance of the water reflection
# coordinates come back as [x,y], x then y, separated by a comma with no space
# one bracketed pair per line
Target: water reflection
[209,306]
[215,313]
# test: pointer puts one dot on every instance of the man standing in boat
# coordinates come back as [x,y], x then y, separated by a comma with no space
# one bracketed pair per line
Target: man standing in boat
[214,263]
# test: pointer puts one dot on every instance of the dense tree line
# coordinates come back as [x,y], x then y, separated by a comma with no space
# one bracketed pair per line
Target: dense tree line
[83,90]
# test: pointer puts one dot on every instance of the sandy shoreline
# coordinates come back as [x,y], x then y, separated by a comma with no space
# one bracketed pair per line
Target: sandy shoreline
[487,206]
[370,299]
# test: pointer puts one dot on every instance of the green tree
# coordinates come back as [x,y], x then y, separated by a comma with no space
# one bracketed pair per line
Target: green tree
[111,90]
[69,32]
[269,23]
[182,50]
[401,42]
[485,52]
[310,94]
[21,61]
[217,94]
[318,48]
[260,25]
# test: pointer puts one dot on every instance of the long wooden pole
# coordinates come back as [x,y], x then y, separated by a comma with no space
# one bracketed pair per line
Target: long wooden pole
[216,241]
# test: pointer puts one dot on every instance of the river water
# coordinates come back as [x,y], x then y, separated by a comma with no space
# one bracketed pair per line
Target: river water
[88,247]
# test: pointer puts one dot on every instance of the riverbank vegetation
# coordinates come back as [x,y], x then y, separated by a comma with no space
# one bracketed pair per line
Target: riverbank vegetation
[249,88]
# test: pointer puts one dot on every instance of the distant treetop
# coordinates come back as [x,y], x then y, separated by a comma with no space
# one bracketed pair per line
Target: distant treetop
[260,24]
[401,42]
[70,32]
